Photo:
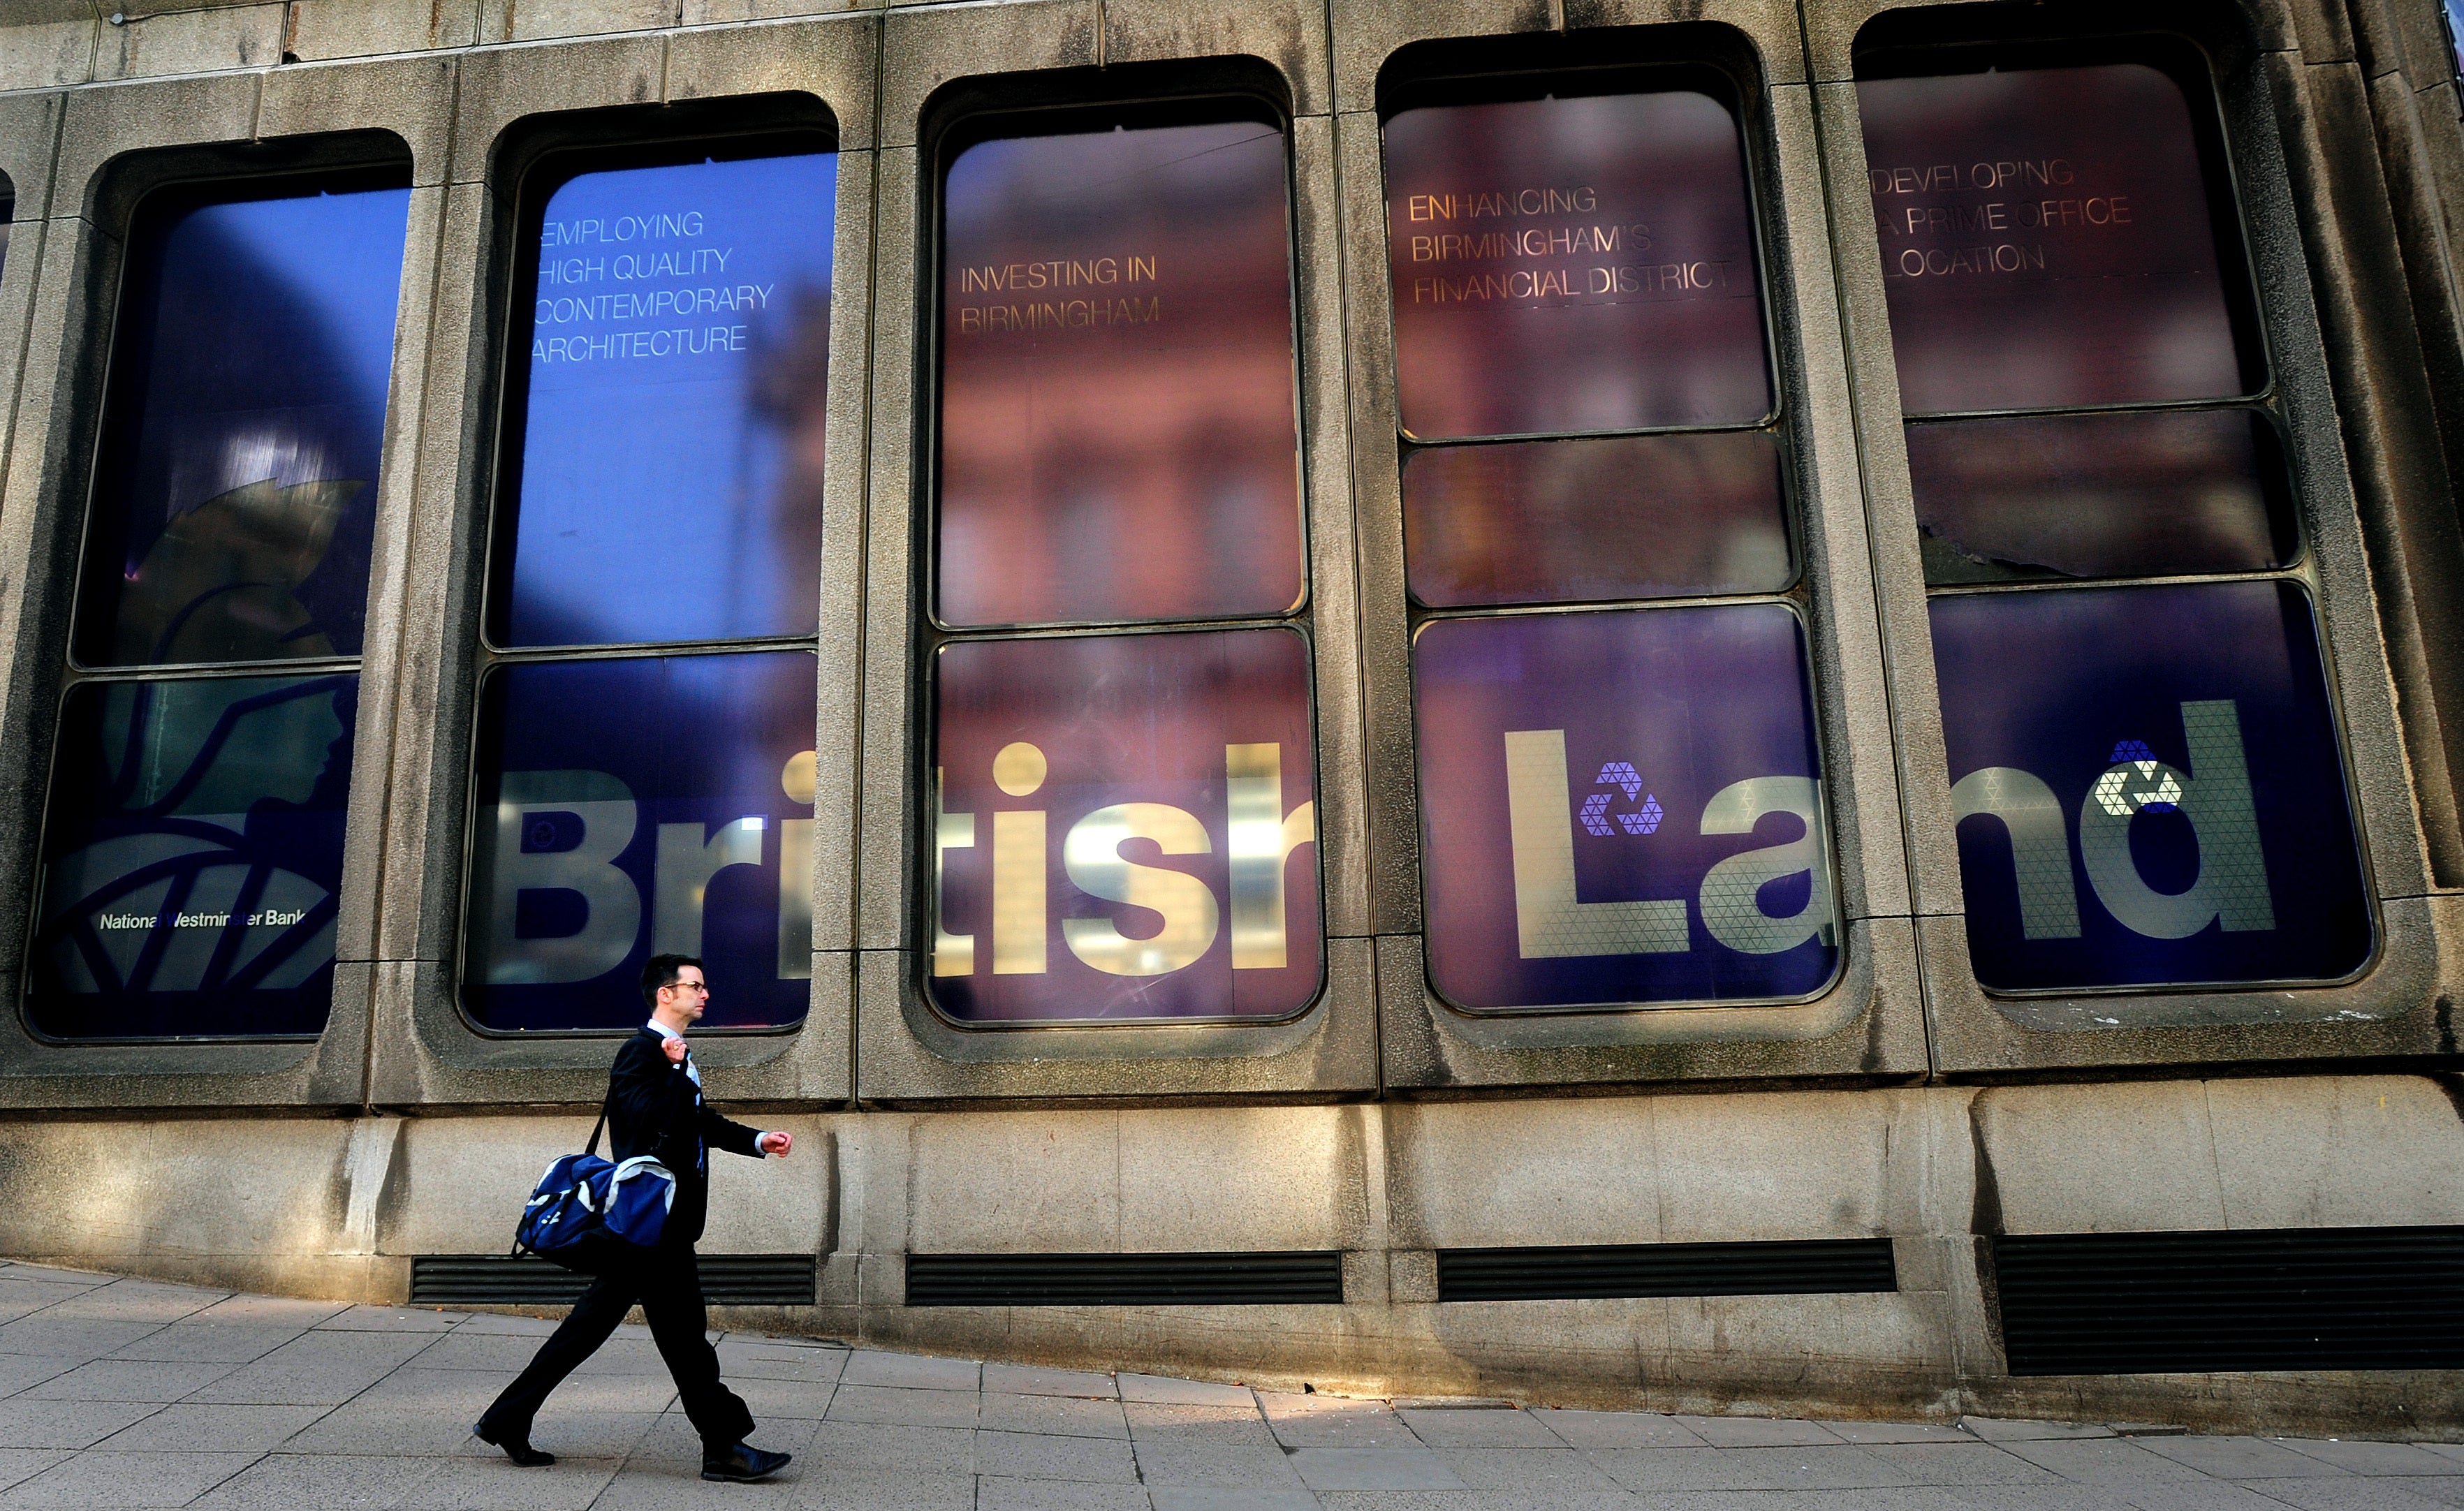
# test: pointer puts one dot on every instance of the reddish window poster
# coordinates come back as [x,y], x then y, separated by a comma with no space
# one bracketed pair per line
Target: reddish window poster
[2136,494]
[2047,239]
[1118,435]
[1573,265]
[1125,828]
[1594,520]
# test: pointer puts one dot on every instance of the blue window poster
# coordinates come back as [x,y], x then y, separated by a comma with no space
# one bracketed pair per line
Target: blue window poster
[235,506]
[2149,788]
[670,392]
[191,858]
[625,807]
[1623,808]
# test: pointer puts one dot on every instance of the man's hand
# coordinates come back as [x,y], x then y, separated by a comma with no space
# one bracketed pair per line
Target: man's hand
[676,1049]
[776,1144]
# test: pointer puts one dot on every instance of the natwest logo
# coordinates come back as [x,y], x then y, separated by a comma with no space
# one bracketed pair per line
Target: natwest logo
[1124,827]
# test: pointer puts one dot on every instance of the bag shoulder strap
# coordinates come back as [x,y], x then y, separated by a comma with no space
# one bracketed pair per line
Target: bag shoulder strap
[592,1148]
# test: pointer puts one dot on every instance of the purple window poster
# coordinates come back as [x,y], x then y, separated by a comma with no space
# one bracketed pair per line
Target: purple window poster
[1623,808]
[2149,787]
[643,804]
[1125,828]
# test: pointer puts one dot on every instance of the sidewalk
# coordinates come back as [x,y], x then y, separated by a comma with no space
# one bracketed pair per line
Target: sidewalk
[132,1393]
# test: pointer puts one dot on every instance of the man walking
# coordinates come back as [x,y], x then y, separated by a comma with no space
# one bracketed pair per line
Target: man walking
[655,1107]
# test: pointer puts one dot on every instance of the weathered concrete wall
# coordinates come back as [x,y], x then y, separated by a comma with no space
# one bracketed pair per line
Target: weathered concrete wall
[323,1169]
[337,1207]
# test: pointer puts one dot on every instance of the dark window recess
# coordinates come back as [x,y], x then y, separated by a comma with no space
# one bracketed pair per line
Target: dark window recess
[494,1280]
[1124,1280]
[1816,1266]
[2183,1302]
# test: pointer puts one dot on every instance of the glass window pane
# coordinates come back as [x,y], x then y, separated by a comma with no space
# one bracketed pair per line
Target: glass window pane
[1566,264]
[671,483]
[2152,788]
[236,497]
[2126,495]
[192,857]
[1621,807]
[1569,521]
[2047,239]
[1126,828]
[631,806]
[1118,437]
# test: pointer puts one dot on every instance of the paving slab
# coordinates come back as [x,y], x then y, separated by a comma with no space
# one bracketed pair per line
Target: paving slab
[890,1406]
[1327,1421]
[1194,1498]
[1756,1432]
[1046,1455]
[1071,1416]
[1216,1465]
[1617,1430]
[1159,1391]
[1013,1379]
[1531,1471]
[125,1482]
[128,1380]
[1481,1429]
[1002,1493]
[2366,1458]
[218,1429]
[2012,1430]
[911,1371]
[1229,1424]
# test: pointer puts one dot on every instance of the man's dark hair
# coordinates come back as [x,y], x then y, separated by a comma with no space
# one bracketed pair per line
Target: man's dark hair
[666,969]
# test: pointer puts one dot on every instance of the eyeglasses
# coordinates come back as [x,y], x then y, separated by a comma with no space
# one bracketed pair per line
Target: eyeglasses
[686,986]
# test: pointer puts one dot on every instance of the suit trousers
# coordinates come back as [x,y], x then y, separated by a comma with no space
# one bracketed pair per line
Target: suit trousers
[666,1282]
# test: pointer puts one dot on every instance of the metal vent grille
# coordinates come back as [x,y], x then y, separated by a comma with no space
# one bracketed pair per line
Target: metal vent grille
[727,1279]
[1124,1280]
[2190,1302]
[1581,1273]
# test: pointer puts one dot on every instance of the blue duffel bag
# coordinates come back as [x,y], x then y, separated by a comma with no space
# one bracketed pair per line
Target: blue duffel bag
[587,1211]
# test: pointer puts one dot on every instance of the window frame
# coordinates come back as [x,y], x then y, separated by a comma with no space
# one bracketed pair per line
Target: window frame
[2080,44]
[931,634]
[1781,421]
[159,187]
[536,177]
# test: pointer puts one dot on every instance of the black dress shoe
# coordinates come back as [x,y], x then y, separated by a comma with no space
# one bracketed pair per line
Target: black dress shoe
[517,1449]
[743,1464]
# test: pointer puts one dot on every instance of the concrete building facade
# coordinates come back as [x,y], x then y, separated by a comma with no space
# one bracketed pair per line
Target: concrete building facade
[1909,1146]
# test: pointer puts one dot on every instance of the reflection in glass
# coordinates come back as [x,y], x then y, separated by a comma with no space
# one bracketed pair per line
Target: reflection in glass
[1126,828]
[625,807]
[1118,437]
[2149,787]
[1568,265]
[2126,495]
[2047,239]
[190,861]
[236,500]
[678,358]
[1621,808]
[1613,518]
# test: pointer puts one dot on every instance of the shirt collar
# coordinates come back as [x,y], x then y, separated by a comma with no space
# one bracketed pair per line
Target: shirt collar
[662,1030]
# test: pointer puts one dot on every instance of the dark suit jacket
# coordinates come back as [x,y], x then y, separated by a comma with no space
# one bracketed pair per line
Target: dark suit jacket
[654,1108]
